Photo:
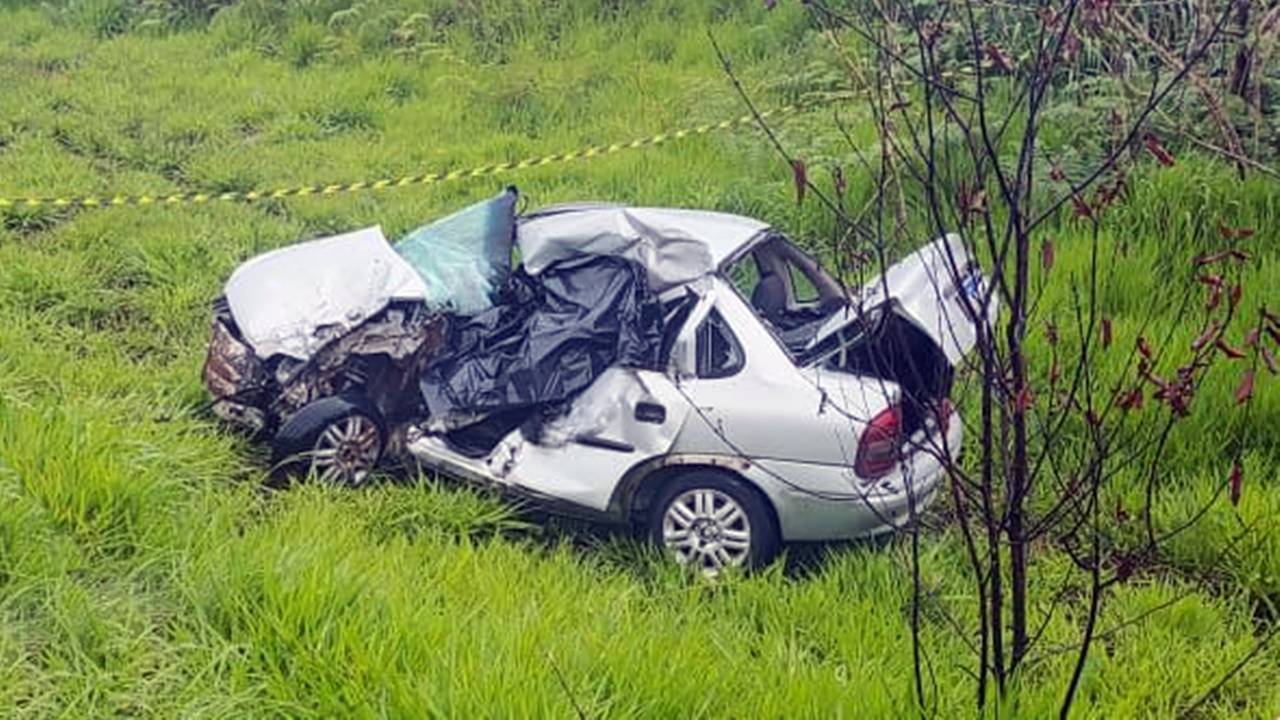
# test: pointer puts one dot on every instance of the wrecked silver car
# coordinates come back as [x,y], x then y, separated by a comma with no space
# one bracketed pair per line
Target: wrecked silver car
[690,373]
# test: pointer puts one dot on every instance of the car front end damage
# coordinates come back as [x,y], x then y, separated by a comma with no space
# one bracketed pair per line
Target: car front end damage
[380,358]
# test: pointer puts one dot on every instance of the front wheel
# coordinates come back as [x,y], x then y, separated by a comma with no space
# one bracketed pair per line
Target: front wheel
[711,522]
[339,440]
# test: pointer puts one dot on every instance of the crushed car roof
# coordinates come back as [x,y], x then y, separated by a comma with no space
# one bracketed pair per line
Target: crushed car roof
[674,245]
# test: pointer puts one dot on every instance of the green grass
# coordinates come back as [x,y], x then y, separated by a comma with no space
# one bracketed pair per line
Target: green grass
[143,571]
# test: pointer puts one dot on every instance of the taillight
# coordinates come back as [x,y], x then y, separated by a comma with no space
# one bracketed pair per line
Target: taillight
[881,445]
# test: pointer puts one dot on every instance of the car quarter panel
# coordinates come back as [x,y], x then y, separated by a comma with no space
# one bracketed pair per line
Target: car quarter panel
[770,408]
[818,502]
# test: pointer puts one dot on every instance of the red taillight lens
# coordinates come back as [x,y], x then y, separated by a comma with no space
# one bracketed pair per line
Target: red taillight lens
[881,444]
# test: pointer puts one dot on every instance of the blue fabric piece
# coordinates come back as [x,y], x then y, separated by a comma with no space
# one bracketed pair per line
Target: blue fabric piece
[465,257]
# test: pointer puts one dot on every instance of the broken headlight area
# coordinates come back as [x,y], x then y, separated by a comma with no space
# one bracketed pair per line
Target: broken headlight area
[380,359]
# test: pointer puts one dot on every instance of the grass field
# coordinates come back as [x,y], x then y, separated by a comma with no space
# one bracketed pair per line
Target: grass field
[144,573]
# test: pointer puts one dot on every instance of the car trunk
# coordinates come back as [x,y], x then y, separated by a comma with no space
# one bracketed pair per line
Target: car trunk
[891,347]
[911,327]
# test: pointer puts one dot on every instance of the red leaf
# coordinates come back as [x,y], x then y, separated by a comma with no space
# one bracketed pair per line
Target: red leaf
[800,175]
[1131,400]
[1211,258]
[970,199]
[1235,482]
[1081,207]
[1205,336]
[1024,399]
[1245,390]
[1050,332]
[1056,174]
[1105,331]
[1233,353]
[1270,360]
[1236,292]
[837,177]
[1215,297]
[1071,47]
[1144,348]
[1046,254]
[1154,147]
[1121,514]
[770,4]
[998,57]
[1251,340]
[1230,233]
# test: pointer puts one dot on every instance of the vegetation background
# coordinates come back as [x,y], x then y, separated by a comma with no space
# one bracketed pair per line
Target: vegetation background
[144,572]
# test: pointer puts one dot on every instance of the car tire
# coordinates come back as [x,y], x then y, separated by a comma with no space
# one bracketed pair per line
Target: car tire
[712,521]
[338,440]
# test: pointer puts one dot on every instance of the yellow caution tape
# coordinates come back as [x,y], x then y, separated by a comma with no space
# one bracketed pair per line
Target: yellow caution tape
[388,183]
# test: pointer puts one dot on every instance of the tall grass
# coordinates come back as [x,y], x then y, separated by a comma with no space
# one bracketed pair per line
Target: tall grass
[143,571]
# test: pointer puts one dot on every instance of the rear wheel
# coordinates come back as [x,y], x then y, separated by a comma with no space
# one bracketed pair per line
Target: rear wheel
[339,440]
[710,522]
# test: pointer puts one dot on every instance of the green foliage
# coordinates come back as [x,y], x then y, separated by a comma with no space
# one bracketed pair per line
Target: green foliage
[143,571]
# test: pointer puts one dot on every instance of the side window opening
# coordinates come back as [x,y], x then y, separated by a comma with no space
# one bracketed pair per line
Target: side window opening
[803,289]
[718,352]
[745,275]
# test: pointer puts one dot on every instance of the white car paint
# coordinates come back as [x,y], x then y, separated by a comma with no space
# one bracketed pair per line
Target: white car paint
[674,245]
[293,300]
[790,431]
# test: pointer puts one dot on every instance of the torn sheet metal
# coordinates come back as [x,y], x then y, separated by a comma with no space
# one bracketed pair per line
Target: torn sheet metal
[674,246]
[294,300]
[382,357]
[465,257]
[548,338]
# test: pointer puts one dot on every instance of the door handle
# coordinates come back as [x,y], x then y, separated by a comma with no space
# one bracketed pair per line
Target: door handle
[651,412]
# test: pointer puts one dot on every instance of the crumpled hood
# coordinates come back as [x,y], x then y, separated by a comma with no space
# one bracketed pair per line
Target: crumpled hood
[293,300]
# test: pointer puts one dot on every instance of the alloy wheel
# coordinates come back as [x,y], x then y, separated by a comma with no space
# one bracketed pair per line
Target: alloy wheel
[347,451]
[707,529]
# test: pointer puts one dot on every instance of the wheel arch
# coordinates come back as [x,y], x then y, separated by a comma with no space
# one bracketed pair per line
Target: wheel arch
[635,493]
[296,433]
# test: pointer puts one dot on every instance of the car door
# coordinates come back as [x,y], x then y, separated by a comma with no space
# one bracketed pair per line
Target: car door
[625,417]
